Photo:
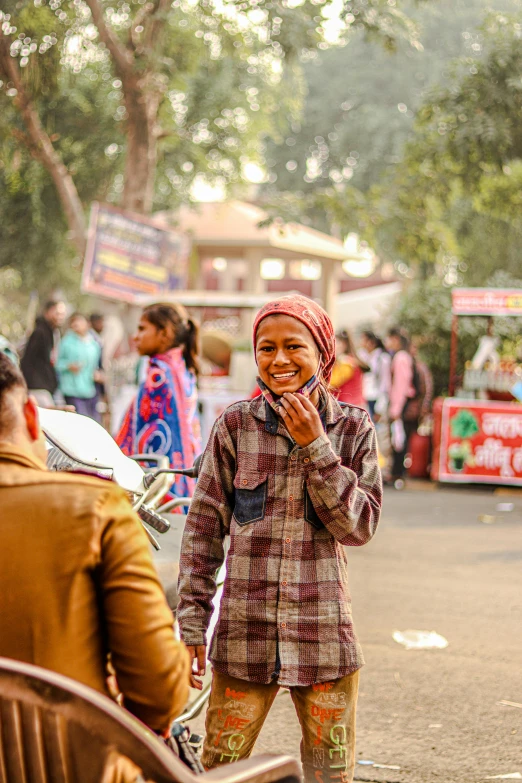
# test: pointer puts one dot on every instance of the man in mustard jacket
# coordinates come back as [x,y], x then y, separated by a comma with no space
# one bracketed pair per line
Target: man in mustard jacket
[76,577]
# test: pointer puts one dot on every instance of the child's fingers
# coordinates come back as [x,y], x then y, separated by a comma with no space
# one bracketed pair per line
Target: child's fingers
[307,403]
[300,410]
[287,412]
[292,402]
[201,654]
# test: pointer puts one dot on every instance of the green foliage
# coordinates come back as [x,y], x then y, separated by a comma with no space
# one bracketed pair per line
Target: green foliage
[361,104]
[461,172]
[11,312]
[428,175]
[228,78]
[477,121]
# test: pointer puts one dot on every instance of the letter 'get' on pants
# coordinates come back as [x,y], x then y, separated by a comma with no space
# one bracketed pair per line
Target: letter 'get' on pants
[326,712]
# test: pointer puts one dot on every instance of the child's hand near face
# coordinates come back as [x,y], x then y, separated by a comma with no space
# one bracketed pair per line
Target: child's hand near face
[301,418]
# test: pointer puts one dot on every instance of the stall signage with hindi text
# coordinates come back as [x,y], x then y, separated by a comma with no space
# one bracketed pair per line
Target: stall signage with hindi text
[481,443]
[130,258]
[487,301]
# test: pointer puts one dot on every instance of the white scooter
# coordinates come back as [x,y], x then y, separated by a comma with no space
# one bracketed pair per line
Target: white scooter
[76,442]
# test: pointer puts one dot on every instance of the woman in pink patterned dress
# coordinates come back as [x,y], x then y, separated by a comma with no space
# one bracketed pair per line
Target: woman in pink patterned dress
[162,419]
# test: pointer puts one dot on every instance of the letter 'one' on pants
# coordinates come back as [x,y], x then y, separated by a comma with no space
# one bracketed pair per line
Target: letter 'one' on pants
[326,712]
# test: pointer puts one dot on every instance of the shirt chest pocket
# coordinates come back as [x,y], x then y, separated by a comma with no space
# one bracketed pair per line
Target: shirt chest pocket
[250,492]
[310,513]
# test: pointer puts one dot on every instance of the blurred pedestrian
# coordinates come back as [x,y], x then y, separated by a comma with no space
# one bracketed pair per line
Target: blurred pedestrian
[77,579]
[163,418]
[402,412]
[78,362]
[377,380]
[426,382]
[39,359]
[292,478]
[97,324]
[347,374]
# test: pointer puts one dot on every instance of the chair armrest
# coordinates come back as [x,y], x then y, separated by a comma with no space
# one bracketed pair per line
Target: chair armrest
[260,769]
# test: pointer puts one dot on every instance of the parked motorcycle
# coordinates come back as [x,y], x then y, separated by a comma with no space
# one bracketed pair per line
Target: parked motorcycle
[76,442]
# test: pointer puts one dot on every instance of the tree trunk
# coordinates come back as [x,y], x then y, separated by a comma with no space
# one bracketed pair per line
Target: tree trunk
[41,148]
[142,101]
[141,154]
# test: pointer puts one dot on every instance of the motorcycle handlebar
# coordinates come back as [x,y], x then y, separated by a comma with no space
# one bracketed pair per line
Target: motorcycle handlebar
[153,519]
[192,472]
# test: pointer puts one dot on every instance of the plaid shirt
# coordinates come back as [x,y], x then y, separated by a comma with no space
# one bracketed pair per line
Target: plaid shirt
[286,610]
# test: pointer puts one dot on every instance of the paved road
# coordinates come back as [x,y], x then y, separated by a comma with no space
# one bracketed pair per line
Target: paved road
[434,566]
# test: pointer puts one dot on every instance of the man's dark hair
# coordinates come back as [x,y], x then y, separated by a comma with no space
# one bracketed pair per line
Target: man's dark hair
[10,378]
[95,317]
[50,304]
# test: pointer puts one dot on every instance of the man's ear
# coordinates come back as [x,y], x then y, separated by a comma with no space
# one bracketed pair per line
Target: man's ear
[31,418]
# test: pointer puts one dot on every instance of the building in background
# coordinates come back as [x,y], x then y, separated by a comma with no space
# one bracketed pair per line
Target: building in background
[240,259]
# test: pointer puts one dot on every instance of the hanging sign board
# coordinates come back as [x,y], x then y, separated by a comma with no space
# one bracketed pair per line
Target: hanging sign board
[131,259]
[487,301]
[481,442]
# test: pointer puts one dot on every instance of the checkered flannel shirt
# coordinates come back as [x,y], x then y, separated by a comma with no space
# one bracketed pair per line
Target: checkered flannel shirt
[285,611]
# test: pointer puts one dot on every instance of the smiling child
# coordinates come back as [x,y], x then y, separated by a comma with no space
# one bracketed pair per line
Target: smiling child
[293,478]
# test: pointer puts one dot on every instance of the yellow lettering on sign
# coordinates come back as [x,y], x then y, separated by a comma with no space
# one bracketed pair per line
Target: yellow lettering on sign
[114,261]
[150,272]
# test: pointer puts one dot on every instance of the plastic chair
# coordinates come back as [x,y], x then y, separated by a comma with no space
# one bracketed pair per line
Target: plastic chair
[55,730]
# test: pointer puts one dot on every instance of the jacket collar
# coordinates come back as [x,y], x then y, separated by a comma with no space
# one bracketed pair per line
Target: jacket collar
[331,413]
[11,453]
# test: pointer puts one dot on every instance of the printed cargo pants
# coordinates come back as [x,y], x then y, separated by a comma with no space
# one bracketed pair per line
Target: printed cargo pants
[326,712]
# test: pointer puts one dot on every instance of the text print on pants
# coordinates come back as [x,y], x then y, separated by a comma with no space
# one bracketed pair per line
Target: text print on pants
[338,737]
[230,693]
[235,743]
[341,776]
[324,713]
[332,699]
[318,758]
[245,710]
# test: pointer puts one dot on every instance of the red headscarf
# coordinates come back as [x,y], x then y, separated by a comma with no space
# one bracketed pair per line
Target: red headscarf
[313,317]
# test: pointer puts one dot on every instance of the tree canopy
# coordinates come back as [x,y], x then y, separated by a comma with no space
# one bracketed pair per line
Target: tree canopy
[132,101]
[417,152]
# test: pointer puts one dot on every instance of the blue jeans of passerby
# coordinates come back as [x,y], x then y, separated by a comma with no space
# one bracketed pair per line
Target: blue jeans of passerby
[86,406]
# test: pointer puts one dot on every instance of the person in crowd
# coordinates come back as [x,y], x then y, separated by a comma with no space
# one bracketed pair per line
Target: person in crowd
[77,577]
[77,364]
[9,350]
[347,373]
[403,409]
[97,324]
[426,381]
[39,359]
[163,417]
[377,380]
[293,478]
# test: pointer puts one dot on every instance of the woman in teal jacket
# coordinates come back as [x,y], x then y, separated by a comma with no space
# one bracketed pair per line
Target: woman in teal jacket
[78,362]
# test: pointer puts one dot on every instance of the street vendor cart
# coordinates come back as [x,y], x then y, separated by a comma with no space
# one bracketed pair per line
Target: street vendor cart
[477,435]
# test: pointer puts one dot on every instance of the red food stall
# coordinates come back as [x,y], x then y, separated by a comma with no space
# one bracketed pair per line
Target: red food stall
[480,440]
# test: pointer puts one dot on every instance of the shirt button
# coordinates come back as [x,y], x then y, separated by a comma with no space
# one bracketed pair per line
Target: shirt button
[283,625]
[287,540]
[293,458]
[284,583]
[245,482]
[306,459]
[291,497]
